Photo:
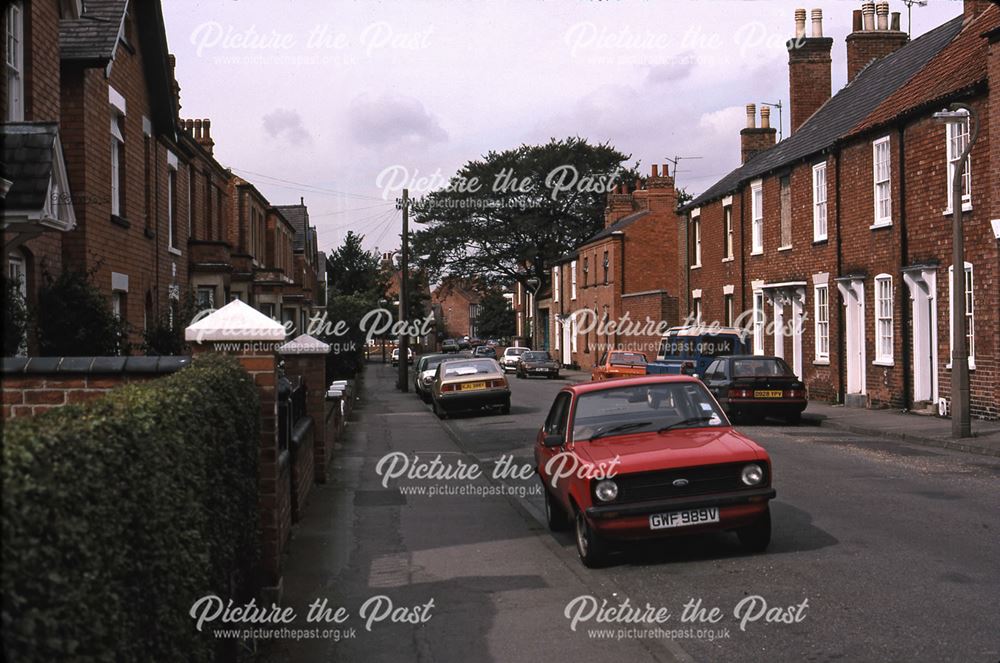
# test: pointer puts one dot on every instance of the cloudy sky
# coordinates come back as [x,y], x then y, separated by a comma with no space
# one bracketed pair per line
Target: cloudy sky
[345,102]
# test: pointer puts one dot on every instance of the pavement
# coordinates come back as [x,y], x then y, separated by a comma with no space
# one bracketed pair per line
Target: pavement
[920,429]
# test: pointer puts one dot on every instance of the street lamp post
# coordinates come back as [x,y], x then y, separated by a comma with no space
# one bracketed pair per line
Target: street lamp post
[961,425]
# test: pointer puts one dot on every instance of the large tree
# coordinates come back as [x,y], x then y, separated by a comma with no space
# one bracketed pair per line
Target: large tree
[496,317]
[507,216]
[351,270]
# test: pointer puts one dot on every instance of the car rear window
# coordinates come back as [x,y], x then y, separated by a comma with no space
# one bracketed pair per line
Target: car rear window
[536,356]
[459,368]
[627,358]
[746,368]
[515,351]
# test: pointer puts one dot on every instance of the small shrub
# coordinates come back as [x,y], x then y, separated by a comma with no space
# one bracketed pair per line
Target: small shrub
[15,317]
[119,514]
[75,319]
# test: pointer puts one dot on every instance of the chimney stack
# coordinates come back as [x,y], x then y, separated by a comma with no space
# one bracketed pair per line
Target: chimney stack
[200,131]
[809,77]
[620,204]
[874,36]
[174,85]
[753,139]
[973,8]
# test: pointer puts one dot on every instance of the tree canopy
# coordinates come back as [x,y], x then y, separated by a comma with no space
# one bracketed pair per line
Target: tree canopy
[495,318]
[517,208]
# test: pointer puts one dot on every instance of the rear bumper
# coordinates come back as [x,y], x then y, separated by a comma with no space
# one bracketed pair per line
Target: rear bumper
[474,401]
[765,405]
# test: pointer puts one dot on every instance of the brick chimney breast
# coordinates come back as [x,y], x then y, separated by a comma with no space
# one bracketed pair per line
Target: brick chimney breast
[753,139]
[873,38]
[809,73]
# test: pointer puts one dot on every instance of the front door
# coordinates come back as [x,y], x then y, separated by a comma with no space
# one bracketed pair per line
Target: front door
[923,294]
[567,338]
[853,294]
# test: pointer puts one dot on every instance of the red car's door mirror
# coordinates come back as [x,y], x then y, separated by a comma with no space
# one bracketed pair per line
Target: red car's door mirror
[553,440]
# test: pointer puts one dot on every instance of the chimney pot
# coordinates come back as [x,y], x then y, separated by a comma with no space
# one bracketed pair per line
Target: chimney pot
[895,22]
[868,12]
[858,25]
[817,23]
[765,117]
[197,129]
[882,9]
[751,116]
[666,173]
[208,129]
[800,23]
[655,170]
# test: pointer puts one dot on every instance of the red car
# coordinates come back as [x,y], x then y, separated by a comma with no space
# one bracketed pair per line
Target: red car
[645,457]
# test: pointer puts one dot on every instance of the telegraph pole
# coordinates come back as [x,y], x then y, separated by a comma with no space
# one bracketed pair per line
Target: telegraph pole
[404,271]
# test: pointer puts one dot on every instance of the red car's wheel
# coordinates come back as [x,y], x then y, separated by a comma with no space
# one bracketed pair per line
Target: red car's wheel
[555,515]
[590,547]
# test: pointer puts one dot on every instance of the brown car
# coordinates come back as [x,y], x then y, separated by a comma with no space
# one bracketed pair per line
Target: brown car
[469,384]
[619,364]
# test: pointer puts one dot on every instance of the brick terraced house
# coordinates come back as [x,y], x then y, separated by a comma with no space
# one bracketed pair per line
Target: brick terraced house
[626,271]
[834,245]
[100,174]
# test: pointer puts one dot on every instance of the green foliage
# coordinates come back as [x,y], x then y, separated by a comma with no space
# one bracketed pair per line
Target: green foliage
[683,197]
[75,319]
[119,514]
[165,334]
[493,232]
[351,270]
[15,317]
[496,317]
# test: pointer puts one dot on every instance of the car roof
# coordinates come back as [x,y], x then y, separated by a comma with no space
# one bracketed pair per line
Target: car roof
[701,331]
[750,357]
[602,385]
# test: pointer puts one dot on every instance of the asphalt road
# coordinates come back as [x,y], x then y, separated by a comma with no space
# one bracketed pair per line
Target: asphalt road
[883,550]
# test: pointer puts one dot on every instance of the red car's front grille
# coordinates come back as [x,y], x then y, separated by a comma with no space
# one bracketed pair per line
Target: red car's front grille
[660,484]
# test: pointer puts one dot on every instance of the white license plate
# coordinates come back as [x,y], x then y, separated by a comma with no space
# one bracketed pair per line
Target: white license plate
[684,518]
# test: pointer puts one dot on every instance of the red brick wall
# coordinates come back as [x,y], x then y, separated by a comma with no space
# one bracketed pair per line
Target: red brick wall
[41,61]
[863,47]
[28,395]
[454,305]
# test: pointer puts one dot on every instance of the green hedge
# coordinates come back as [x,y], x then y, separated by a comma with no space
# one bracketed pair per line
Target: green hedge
[119,514]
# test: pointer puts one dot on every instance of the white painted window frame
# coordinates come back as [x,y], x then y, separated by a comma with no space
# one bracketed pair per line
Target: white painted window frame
[954,145]
[820,216]
[882,181]
[970,314]
[821,322]
[14,61]
[884,320]
[757,218]
[572,281]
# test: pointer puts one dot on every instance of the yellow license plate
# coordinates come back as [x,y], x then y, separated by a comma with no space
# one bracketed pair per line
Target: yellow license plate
[768,393]
[472,386]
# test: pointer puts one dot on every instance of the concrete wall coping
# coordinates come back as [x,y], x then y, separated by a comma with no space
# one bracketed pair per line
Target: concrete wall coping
[91,365]
[304,345]
[236,321]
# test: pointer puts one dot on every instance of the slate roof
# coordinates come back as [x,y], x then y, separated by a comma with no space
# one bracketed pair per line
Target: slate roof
[838,117]
[93,36]
[298,216]
[27,162]
[961,65]
[620,224]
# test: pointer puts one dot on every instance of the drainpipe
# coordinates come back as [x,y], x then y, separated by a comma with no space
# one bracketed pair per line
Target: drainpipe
[742,274]
[841,327]
[904,259]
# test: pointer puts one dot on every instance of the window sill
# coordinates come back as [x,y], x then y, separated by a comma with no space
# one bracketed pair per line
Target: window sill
[120,221]
[176,252]
[729,259]
[819,240]
[785,248]
[972,365]
[880,224]
[698,266]
[757,253]
[966,207]
[888,363]
[821,362]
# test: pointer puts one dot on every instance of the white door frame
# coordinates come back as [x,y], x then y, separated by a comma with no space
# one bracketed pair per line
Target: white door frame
[922,284]
[567,340]
[852,291]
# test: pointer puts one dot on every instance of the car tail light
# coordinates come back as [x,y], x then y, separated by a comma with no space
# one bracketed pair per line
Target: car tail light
[795,393]
[497,384]
[449,387]
[687,368]
[741,393]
